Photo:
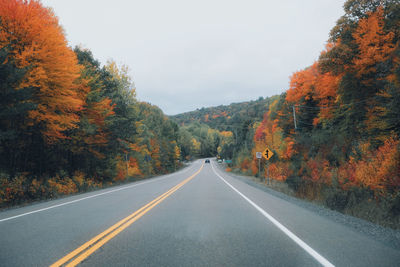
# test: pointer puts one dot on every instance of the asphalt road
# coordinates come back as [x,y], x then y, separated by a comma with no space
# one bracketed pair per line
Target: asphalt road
[209,219]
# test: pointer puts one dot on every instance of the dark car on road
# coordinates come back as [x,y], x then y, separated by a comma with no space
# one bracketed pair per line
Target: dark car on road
[207,161]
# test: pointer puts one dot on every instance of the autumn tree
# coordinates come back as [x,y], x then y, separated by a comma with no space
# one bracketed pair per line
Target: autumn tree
[35,44]
[89,142]
[36,41]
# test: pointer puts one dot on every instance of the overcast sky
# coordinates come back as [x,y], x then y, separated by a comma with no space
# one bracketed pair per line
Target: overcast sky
[187,54]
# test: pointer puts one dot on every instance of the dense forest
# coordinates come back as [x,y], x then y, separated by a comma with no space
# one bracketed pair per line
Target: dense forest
[335,131]
[68,124]
[219,130]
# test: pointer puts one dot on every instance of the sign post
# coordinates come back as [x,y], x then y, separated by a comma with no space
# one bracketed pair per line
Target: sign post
[259,156]
[267,154]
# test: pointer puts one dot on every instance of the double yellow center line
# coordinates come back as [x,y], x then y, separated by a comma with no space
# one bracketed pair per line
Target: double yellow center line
[84,251]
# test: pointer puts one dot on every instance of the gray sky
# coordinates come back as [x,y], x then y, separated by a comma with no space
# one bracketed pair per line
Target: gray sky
[187,54]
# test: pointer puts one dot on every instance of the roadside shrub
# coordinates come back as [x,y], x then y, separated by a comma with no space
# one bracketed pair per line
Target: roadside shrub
[62,186]
[294,182]
[79,179]
[335,198]
[37,190]
[12,190]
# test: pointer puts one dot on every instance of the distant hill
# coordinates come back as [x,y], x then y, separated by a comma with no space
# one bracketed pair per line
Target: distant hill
[224,117]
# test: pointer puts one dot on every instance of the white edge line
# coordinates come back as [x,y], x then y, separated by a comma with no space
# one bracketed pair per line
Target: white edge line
[295,238]
[84,198]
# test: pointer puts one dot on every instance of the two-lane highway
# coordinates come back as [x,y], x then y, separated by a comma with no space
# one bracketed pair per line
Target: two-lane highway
[198,216]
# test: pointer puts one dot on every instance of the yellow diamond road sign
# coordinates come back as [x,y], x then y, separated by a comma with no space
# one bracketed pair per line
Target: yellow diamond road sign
[267,154]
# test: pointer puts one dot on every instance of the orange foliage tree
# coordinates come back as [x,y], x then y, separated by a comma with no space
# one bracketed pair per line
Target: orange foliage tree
[374,45]
[93,133]
[36,40]
[311,83]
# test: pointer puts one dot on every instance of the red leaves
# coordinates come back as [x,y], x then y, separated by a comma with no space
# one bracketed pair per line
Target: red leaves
[259,134]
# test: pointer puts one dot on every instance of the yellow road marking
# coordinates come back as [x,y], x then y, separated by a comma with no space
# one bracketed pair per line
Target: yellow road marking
[95,243]
[101,235]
